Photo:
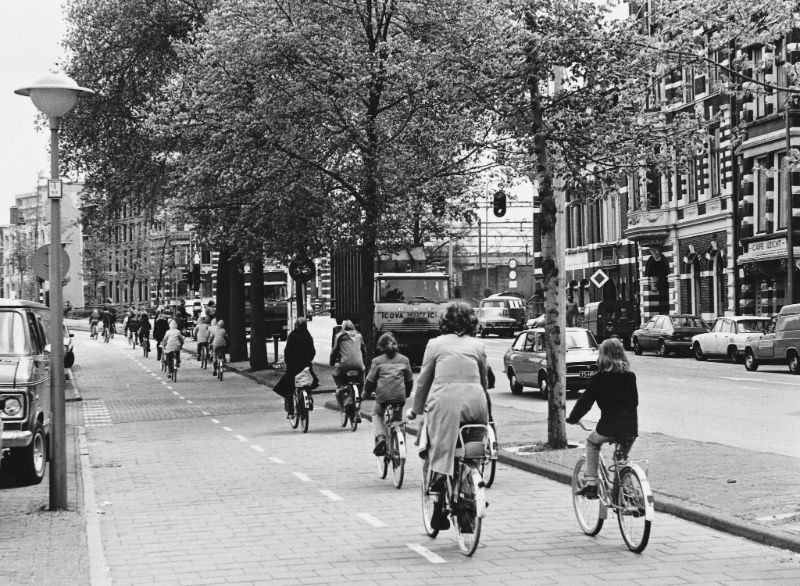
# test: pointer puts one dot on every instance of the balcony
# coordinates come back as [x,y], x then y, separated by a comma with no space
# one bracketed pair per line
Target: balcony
[648,226]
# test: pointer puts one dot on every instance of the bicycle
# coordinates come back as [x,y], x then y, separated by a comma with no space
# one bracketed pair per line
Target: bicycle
[145,344]
[350,399]
[93,331]
[464,497]
[491,462]
[303,403]
[106,334]
[172,368]
[395,444]
[622,487]
[203,356]
[219,365]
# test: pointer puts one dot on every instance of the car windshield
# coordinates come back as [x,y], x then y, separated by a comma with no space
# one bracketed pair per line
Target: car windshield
[275,291]
[393,290]
[580,339]
[488,304]
[752,326]
[493,310]
[688,322]
[12,333]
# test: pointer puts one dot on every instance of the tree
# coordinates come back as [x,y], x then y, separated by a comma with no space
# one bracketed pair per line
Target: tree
[94,263]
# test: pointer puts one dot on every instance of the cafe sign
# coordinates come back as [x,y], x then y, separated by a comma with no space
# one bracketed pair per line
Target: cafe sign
[764,250]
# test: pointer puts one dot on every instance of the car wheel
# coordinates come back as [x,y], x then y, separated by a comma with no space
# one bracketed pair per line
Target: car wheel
[637,349]
[750,362]
[662,349]
[543,387]
[794,363]
[69,359]
[733,355]
[513,382]
[698,352]
[30,462]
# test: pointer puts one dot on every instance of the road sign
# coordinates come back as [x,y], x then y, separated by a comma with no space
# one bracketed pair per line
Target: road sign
[41,262]
[55,189]
[512,284]
[302,270]
[599,278]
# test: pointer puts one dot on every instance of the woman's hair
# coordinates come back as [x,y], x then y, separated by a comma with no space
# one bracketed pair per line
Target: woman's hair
[348,325]
[301,323]
[173,324]
[220,323]
[458,318]
[387,344]
[612,357]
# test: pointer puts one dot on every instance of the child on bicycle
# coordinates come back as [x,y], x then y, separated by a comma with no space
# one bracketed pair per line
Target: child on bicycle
[613,388]
[173,342]
[218,342]
[144,330]
[391,380]
[201,333]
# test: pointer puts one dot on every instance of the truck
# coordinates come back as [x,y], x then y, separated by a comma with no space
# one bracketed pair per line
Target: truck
[408,304]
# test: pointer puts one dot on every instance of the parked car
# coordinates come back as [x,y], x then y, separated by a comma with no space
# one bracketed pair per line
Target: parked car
[728,337]
[609,319]
[69,350]
[525,363]
[781,344]
[25,388]
[500,314]
[664,334]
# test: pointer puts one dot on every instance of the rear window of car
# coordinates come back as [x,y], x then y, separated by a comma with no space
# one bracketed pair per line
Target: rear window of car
[752,326]
[688,322]
[493,304]
[12,333]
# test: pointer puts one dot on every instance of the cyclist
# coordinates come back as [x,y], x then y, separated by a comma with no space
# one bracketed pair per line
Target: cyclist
[297,355]
[201,333]
[451,391]
[347,354]
[391,379]
[132,325]
[613,388]
[108,320]
[144,330]
[94,319]
[160,327]
[173,342]
[218,342]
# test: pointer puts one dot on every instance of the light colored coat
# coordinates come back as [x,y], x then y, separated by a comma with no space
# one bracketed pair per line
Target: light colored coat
[450,391]
[173,339]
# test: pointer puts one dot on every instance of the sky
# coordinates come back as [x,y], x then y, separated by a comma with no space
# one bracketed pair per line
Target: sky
[30,45]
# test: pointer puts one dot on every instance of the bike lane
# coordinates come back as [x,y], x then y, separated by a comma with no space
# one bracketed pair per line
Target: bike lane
[202,482]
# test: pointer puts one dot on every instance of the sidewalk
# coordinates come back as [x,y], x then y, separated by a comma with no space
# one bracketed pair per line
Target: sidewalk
[751,494]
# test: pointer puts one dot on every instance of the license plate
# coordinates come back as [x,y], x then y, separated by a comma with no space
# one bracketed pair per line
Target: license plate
[587,374]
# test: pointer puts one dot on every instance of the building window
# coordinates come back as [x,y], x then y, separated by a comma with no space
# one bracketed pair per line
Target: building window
[691,179]
[762,172]
[780,193]
[714,156]
[633,192]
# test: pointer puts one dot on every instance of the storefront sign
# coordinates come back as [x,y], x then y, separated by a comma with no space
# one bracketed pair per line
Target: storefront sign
[764,250]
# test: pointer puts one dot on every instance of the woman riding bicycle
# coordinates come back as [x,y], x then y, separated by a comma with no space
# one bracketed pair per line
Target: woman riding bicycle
[297,355]
[173,342]
[391,379]
[144,330]
[451,391]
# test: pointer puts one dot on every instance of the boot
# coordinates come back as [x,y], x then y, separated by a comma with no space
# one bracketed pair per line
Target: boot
[288,405]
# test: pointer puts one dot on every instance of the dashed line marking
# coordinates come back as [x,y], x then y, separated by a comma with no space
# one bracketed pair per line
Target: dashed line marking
[755,380]
[276,460]
[175,393]
[331,495]
[226,428]
[426,553]
[372,520]
[189,401]
[257,448]
[214,421]
[302,477]
[181,397]
[241,438]
[206,413]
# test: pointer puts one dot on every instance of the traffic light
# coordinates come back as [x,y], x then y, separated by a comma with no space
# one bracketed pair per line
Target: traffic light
[500,203]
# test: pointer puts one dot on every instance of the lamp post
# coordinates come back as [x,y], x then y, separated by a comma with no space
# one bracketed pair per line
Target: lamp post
[792,105]
[55,95]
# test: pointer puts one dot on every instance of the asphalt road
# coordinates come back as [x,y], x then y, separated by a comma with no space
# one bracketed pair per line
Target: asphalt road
[706,401]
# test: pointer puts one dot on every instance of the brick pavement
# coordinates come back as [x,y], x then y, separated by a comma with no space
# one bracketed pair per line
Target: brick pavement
[200,485]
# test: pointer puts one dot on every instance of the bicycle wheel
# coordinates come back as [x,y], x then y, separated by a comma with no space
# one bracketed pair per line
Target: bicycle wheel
[398,459]
[220,369]
[633,524]
[354,417]
[301,408]
[492,462]
[587,511]
[469,510]
[428,503]
[203,358]
[382,462]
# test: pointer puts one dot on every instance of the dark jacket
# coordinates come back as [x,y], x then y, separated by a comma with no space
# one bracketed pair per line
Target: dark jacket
[616,395]
[298,354]
[160,328]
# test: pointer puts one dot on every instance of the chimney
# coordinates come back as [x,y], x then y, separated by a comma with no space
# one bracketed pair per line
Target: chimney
[14,220]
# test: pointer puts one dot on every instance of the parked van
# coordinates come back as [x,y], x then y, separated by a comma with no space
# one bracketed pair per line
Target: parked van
[501,314]
[24,388]
[780,345]
[607,319]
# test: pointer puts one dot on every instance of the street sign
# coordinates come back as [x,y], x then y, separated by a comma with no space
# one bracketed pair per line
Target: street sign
[41,262]
[302,270]
[55,189]
[512,284]
[599,278]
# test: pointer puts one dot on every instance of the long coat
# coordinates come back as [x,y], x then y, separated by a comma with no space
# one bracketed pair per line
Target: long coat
[298,354]
[450,391]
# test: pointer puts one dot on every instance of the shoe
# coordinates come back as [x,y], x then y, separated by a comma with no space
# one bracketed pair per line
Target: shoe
[380,446]
[438,483]
[588,492]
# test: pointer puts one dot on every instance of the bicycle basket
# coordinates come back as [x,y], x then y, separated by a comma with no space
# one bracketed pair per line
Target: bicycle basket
[474,450]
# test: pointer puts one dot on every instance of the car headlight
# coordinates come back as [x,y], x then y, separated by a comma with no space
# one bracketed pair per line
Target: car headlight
[13,407]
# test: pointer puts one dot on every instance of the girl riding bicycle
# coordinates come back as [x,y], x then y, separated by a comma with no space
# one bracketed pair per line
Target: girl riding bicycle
[173,342]
[613,388]
[390,378]
[451,391]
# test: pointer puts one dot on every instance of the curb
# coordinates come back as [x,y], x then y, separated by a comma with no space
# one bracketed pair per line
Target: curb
[663,503]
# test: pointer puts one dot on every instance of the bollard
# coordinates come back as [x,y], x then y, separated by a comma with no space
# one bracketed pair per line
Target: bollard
[275,342]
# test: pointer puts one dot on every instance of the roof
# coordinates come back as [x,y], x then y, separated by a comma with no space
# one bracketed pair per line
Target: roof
[541,329]
[744,317]
[21,303]
[794,308]
[411,275]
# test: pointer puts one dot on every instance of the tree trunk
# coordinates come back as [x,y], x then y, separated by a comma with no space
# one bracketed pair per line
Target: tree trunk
[367,307]
[551,257]
[236,325]
[258,345]
[223,286]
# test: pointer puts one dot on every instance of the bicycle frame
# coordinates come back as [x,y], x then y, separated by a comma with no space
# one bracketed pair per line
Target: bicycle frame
[608,484]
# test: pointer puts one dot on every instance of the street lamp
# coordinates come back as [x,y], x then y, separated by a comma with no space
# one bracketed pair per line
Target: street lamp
[55,95]
[792,106]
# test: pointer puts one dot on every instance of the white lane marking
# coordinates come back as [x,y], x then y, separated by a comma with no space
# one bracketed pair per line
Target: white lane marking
[206,413]
[756,380]
[677,380]
[163,382]
[175,393]
[302,477]
[214,421]
[154,375]
[189,401]
[780,517]
[426,553]
[372,520]
[241,438]
[257,448]
[331,495]
[181,397]
[276,460]
[226,428]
